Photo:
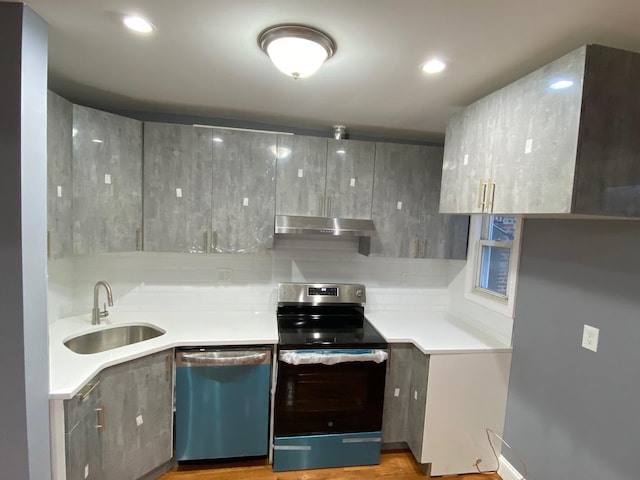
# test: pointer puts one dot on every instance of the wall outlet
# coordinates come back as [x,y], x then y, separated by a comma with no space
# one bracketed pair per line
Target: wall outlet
[225,275]
[590,337]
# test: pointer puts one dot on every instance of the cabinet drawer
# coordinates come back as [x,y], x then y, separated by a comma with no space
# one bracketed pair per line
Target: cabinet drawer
[323,451]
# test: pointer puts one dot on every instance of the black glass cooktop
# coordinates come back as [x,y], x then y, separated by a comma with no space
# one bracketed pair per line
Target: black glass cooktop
[301,327]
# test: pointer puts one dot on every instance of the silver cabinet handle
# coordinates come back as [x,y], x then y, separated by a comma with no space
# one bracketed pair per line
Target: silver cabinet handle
[482,195]
[321,205]
[415,248]
[92,387]
[214,240]
[328,206]
[205,239]
[100,425]
[138,240]
[492,193]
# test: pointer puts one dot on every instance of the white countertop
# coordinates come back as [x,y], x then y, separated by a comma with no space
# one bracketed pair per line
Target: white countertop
[431,332]
[434,332]
[69,371]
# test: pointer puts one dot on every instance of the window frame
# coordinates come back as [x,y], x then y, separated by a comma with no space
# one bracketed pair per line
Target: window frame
[503,304]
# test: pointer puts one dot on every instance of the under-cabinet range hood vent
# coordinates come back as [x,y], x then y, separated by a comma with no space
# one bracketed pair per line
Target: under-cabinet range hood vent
[328,228]
[346,227]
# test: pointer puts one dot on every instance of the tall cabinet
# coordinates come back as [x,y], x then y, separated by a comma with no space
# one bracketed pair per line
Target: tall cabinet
[406,194]
[107,182]
[561,140]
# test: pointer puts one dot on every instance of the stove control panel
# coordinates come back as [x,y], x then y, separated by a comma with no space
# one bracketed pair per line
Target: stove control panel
[321,293]
[326,291]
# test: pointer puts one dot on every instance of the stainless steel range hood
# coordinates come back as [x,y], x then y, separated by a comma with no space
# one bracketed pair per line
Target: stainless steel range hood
[349,227]
[328,227]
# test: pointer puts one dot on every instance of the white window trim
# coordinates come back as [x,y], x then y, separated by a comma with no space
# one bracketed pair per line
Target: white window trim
[494,302]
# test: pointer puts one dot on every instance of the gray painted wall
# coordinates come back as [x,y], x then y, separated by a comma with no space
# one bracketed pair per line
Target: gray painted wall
[573,413]
[24,375]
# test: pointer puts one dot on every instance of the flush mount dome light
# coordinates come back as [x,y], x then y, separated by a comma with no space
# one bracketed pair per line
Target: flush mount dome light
[296,50]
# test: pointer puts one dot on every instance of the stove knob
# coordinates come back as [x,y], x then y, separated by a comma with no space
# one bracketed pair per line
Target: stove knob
[358,293]
[330,424]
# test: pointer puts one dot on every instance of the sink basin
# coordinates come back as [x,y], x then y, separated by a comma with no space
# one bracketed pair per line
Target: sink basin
[112,337]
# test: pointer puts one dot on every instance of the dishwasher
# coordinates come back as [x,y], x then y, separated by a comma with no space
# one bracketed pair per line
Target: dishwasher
[222,403]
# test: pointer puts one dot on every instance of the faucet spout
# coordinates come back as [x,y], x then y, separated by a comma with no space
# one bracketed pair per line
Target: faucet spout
[96,314]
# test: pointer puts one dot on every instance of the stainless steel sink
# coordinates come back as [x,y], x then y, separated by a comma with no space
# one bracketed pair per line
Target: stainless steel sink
[112,337]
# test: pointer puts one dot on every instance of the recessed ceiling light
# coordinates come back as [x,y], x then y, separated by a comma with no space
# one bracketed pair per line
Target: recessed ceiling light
[97,140]
[560,84]
[433,66]
[138,24]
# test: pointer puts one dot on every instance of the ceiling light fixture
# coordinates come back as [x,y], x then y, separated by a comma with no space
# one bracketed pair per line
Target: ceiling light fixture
[434,66]
[137,24]
[296,50]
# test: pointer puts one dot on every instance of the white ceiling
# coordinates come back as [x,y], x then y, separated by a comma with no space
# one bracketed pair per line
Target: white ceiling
[204,58]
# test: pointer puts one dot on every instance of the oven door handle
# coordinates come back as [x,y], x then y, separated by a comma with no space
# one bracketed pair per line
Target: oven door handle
[331,357]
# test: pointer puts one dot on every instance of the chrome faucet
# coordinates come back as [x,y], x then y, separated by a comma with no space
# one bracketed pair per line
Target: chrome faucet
[96,314]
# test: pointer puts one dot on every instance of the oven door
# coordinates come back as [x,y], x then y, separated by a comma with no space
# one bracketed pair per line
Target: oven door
[329,391]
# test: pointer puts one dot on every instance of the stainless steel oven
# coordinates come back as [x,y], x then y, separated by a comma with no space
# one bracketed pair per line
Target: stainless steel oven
[330,378]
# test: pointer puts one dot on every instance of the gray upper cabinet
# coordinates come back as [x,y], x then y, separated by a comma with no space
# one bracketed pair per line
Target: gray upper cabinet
[243,192]
[301,175]
[535,148]
[321,177]
[178,176]
[405,205]
[349,186]
[107,182]
[59,179]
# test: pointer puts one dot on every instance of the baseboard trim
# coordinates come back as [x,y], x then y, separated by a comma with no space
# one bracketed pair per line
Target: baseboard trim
[508,471]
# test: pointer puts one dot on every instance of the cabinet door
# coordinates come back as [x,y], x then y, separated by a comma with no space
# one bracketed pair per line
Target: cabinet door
[435,235]
[177,187]
[83,449]
[301,175]
[391,199]
[138,417]
[417,402]
[534,158]
[243,195]
[466,163]
[467,393]
[107,182]
[59,183]
[396,394]
[349,179]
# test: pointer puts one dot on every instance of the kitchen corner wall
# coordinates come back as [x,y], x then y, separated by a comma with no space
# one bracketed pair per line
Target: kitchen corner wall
[183,283]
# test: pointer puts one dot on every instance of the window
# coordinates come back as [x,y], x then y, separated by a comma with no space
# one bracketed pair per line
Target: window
[495,244]
[492,261]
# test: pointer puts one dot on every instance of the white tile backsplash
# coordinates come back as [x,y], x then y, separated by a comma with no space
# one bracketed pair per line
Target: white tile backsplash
[183,283]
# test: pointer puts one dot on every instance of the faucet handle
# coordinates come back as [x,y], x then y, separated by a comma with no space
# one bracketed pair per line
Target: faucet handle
[105,312]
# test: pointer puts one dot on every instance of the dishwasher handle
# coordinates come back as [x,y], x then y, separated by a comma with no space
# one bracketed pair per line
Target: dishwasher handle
[222,358]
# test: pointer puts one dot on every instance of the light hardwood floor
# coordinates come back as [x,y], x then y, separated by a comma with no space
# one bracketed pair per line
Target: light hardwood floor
[394,465]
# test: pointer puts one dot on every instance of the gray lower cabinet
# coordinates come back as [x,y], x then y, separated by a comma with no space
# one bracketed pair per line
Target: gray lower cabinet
[396,394]
[122,429]
[538,146]
[406,195]
[107,182]
[417,402]
[59,177]
[321,177]
[178,175]
[83,442]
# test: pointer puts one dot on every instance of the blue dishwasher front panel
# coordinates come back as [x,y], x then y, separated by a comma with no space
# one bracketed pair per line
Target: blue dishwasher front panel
[222,412]
[324,451]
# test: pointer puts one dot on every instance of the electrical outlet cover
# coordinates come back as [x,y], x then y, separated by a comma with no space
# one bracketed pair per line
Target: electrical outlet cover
[590,337]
